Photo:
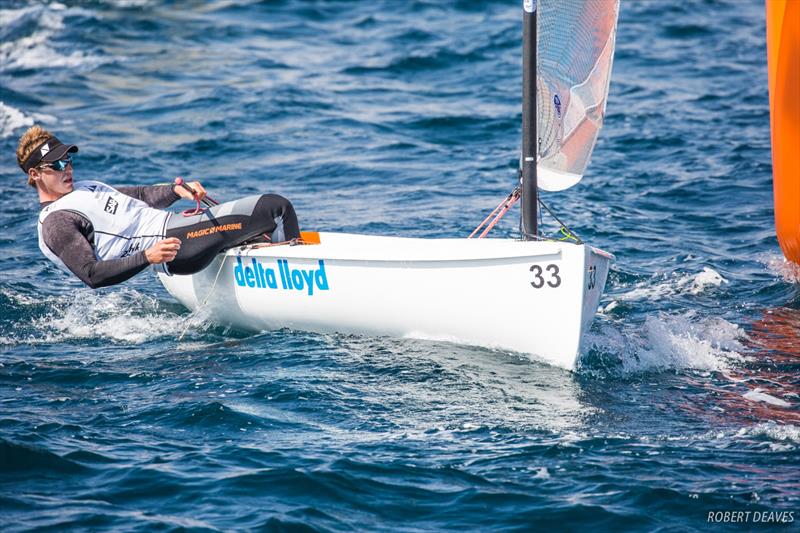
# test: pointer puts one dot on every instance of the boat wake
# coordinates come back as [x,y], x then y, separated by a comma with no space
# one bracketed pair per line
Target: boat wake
[124,316]
[664,342]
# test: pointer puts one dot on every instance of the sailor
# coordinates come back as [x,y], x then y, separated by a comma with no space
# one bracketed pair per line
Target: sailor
[106,235]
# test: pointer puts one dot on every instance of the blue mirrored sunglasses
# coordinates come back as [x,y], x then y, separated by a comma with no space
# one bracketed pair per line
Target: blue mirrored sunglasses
[59,165]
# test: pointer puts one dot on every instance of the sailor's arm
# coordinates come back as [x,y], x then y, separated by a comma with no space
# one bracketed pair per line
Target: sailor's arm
[156,196]
[67,235]
[163,196]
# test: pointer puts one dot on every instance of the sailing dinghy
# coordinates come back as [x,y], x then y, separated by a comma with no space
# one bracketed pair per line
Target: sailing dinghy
[532,295]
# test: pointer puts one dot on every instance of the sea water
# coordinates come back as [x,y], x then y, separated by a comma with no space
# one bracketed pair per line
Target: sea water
[121,410]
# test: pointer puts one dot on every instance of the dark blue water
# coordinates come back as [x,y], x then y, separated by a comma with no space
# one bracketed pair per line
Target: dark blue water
[119,410]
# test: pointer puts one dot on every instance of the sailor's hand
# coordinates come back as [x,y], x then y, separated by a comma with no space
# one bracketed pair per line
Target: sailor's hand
[183,192]
[163,251]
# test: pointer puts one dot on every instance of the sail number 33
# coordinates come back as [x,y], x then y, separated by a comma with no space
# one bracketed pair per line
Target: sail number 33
[545,277]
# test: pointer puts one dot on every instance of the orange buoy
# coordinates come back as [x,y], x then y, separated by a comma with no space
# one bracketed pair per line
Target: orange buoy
[783,58]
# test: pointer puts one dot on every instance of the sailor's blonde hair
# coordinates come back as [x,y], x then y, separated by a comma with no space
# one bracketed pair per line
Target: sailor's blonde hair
[31,139]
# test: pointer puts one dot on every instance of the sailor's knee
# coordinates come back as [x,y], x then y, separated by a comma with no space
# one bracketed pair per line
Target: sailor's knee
[278,202]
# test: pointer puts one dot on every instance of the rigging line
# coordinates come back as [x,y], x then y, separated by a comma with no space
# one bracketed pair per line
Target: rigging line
[509,202]
[485,220]
[500,206]
[504,206]
[572,234]
[205,300]
[568,235]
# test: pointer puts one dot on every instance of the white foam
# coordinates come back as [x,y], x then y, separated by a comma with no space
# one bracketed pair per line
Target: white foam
[610,307]
[198,320]
[18,297]
[12,119]
[11,17]
[125,316]
[707,278]
[112,316]
[675,284]
[783,268]
[777,432]
[757,395]
[129,3]
[542,473]
[672,342]
[34,51]
[780,437]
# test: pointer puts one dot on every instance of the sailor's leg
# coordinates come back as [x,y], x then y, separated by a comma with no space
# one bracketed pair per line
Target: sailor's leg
[227,225]
[274,215]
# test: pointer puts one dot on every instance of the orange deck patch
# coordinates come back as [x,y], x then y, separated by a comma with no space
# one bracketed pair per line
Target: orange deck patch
[310,237]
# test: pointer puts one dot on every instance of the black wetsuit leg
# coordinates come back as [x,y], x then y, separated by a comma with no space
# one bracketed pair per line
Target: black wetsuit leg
[227,225]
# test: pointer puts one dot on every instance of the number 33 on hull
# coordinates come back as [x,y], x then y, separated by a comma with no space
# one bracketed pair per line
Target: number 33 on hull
[533,297]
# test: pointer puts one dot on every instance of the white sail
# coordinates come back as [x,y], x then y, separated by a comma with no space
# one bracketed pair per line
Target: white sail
[574,55]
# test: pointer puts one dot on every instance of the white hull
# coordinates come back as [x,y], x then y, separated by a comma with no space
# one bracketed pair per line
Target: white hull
[533,297]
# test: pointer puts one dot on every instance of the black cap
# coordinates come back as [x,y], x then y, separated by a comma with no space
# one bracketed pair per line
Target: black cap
[47,152]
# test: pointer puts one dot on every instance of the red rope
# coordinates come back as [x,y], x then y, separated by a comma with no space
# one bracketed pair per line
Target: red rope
[498,213]
[499,216]
[198,210]
[485,220]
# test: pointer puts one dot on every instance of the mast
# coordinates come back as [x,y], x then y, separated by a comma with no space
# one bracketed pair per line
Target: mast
[529,201]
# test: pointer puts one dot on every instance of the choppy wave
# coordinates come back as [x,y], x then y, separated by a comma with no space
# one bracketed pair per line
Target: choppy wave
[22,458]
[12,119]
[788,435]
[675,284]
[25,49]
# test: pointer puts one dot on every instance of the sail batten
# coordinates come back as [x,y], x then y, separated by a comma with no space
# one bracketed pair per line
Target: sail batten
[576,41]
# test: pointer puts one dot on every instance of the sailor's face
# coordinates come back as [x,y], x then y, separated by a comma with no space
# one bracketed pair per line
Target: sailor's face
[56,182]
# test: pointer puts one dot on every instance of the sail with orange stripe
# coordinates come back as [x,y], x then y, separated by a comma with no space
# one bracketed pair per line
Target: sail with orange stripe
[783,57]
